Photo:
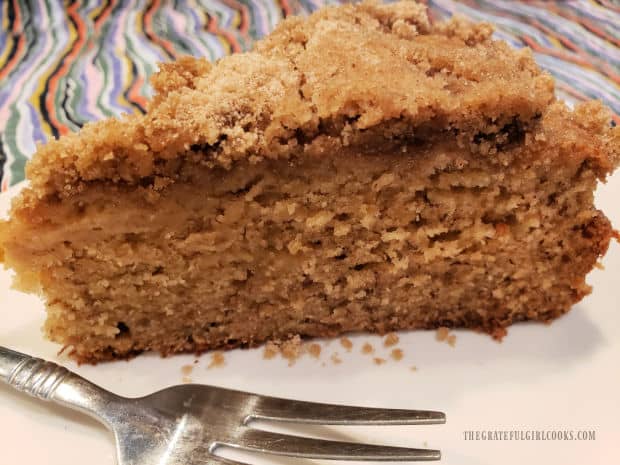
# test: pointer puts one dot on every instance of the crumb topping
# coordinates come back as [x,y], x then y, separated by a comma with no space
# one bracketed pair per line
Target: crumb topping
[301,91]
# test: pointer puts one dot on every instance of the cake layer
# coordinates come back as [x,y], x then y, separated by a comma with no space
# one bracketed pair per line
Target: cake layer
[414,235]
[360,170]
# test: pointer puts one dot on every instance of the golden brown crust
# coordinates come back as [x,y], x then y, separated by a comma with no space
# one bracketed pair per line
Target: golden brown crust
[443,105]
[360,65]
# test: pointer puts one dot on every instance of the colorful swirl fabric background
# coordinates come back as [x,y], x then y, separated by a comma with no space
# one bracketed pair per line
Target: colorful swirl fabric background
[64,63]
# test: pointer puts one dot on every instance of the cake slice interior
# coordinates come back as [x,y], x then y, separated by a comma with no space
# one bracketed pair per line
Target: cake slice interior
[421,176]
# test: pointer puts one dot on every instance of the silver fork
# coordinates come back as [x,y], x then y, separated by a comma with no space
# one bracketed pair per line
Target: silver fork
[185,425]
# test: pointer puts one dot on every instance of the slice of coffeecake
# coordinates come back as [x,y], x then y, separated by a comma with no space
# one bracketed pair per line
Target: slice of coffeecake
[359,170]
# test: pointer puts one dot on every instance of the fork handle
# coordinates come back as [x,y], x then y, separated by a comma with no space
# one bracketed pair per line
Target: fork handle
[51,382]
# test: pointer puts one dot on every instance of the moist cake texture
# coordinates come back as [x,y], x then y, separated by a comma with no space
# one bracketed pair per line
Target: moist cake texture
[359,170]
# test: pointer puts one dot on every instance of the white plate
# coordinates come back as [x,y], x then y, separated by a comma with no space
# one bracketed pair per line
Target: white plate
[565,376]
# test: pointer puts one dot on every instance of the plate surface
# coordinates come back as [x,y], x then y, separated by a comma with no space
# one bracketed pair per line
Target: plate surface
[564,376]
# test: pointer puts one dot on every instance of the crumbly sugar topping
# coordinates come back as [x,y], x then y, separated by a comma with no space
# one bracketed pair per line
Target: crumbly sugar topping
[309,87]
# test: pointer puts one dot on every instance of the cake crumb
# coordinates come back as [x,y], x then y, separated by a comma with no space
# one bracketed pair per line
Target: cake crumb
[397,354]
[323,364]
[367,348]
[291,350]
[599,265]
[391,340]
[336,359]
[186,370]
[217,360]
[425,444]
[271,350]
[442,334]
[413,368]
[499,333]
[195,361]
[346,343]
[314,350]
[379,360]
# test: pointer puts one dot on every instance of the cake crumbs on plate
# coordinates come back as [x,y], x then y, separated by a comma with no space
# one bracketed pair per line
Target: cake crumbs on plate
[413,368]
[499,333]
[271,350]
[314,350]
[336,359]
[217,360]
[291,349]
[391,339]
[379,360]
[346,343]
[397,354]
[443,335]
[367,348]
[186,370]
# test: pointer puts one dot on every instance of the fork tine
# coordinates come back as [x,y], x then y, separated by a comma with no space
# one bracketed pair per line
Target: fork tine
[297,446]
[295,411]
[204,456]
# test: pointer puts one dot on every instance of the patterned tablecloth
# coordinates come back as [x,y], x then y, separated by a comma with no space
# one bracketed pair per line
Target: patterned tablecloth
[64,63]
